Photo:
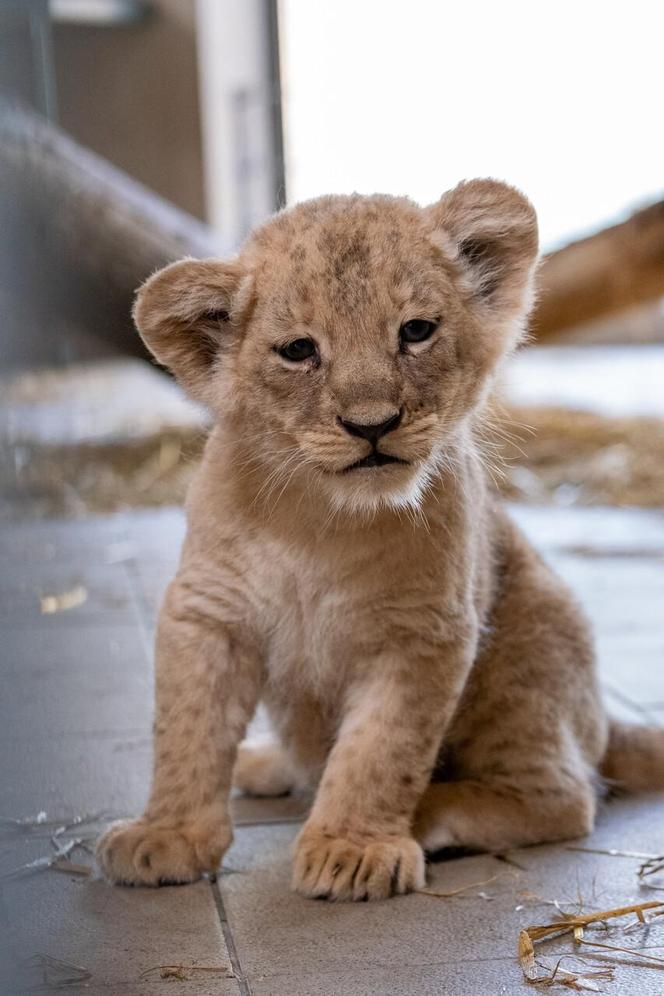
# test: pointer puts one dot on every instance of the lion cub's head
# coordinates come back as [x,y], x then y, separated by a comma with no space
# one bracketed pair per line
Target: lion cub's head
[352,336]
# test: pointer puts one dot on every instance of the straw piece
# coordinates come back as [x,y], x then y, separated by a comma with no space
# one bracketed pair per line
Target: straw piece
[572,980]
[576,925]
[653,865]
[65,600]
[611,852]
[180,971]
[71,867]
[527,956]
[60,974]
[460,890]
[563,926]
[634,952]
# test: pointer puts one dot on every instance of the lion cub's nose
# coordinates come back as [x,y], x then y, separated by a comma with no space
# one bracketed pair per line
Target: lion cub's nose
[372,430]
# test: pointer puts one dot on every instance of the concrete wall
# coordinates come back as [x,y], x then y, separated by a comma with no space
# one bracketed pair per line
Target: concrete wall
[131,94]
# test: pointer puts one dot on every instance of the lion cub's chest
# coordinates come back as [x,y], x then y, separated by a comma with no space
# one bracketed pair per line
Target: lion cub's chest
[309,612]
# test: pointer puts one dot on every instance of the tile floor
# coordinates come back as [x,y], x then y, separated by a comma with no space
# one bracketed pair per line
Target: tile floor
[75,715]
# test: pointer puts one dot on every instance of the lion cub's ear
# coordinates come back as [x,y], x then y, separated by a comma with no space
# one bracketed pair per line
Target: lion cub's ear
[187,313]
[494,231]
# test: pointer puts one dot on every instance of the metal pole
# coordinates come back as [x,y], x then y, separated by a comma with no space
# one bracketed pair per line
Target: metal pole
[274,64]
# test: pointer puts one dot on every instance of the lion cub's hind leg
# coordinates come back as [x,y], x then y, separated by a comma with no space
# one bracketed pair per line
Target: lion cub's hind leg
[263,770]
[531,730]
[501,815]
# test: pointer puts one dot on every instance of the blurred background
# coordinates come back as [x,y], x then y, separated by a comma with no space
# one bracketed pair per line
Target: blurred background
[133,132]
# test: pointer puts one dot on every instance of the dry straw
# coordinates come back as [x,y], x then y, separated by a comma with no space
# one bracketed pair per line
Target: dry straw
[576,925]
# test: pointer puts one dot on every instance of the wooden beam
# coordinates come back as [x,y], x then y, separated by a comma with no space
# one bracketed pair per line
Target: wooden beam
[78,237]
[601,275]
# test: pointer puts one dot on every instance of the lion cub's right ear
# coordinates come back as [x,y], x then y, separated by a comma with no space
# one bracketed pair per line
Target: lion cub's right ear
[188,313]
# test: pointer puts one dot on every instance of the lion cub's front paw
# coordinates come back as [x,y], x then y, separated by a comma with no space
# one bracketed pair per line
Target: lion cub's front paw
[145,853]
[335,868]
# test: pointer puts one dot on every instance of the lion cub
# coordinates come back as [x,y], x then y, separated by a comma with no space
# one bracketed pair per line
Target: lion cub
[346,564]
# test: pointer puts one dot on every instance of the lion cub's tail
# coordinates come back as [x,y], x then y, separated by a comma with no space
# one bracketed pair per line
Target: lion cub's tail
[634,758]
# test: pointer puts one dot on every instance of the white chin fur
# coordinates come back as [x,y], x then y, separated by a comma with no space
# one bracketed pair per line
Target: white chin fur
[365,492]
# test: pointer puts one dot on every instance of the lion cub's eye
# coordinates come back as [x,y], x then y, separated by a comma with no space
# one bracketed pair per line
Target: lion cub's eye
[298,350]
[417,330]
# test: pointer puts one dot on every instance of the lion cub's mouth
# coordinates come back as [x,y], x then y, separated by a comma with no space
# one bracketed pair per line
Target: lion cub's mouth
[375,459]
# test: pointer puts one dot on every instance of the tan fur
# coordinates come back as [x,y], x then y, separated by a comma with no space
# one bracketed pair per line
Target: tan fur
[420,663]
[634,758]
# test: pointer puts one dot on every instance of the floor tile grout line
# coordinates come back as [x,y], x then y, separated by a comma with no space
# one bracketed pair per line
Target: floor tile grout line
[143,612]
[243,984]
[269,821]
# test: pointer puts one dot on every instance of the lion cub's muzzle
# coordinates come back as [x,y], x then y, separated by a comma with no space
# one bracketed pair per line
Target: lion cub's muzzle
[372,432]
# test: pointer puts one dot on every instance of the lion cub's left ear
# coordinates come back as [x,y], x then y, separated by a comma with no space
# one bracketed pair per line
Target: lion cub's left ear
[493,230]
[188,314]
